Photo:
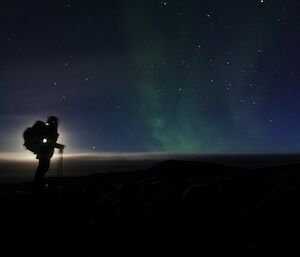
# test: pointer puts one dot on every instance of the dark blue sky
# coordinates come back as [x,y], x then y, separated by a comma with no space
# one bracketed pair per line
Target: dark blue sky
[178,76]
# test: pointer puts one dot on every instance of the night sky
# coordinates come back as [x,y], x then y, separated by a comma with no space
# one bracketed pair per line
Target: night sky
[205,76]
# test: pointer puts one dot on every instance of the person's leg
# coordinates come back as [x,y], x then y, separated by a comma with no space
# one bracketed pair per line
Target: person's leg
[41,171]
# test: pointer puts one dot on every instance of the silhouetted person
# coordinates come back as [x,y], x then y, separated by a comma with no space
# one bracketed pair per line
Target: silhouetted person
[46,150]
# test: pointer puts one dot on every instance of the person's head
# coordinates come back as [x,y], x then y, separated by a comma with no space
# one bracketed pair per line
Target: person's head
[52,121]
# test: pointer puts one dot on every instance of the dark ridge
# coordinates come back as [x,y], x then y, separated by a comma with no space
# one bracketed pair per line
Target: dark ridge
[175,207]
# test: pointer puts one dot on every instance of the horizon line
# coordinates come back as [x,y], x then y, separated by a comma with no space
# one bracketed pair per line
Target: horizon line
[142,155]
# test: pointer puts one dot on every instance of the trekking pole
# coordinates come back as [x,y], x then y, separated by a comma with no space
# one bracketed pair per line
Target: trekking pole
[60,165]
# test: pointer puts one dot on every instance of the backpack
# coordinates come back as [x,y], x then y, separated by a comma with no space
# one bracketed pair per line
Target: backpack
[33,136]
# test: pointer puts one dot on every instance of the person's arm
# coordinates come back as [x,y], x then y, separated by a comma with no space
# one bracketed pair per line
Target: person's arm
[59,146]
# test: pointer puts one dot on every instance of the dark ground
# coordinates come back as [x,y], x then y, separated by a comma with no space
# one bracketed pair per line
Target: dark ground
[178,207]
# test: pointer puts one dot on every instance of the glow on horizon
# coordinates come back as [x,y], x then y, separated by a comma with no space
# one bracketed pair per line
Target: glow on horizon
[104,156]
